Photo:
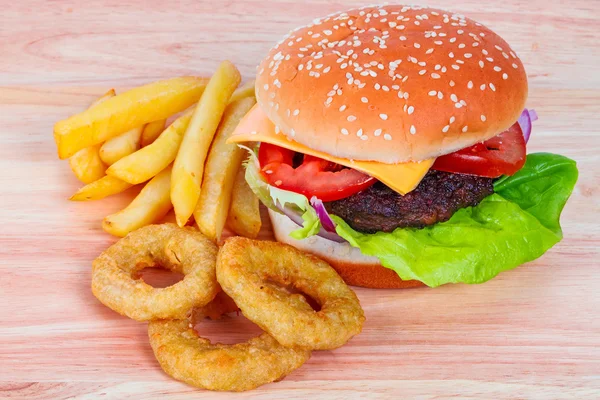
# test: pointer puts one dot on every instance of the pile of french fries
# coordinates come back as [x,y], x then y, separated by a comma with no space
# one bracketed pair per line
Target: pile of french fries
[121,141]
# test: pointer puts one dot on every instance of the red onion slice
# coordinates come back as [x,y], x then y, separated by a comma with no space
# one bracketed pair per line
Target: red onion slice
[525,122]
[326,221]
[296,216]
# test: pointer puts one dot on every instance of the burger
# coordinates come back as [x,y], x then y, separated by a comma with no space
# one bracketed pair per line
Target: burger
[391,141]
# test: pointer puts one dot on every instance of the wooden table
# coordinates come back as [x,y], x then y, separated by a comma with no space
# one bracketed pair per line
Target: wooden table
[533,332]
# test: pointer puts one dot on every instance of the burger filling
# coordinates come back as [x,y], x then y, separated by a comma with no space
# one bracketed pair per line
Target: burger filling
[436,199]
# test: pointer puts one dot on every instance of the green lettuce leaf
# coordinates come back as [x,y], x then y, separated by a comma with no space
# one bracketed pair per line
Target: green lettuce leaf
[516,225]
[271,196]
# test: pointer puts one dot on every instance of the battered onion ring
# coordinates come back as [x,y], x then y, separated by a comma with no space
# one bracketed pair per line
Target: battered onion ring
[220,305]
[115,272]
[189,358]
[245,270]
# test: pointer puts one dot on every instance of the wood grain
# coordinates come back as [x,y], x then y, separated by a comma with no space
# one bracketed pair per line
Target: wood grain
[533,332]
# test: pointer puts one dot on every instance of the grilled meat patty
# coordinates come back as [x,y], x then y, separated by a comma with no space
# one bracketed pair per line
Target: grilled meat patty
[438,196]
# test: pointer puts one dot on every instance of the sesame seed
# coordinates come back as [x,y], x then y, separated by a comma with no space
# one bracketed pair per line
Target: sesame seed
[417,45]
[429,51]
[497,68]
[377,132]
[470,85]
[505,76]
[465,128]
[456,67]
[387,136]
[364,137]
[451,83]
[342,108]
[446,128]
[467,55]
[453,97]
[515,66]
[359,132]
[383,116]
[413,130]
[440,95]
[483,118]
[296,112]
[452,119]
[344,131]
[433,92]
[491,85]
[422,72]
[266,86]
[435,76]
[411,109]
[451,55]
[458,105]
[351,118]
[482,87]
[364,100]
[481,63]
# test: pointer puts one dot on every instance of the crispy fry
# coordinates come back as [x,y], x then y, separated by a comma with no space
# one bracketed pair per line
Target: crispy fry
[222,164]
[100,189]
[121,146]
[244,211]
[126,111]
[86,163]
[189,163]
[150,160]
[246,90]
[153,203]
[151,131]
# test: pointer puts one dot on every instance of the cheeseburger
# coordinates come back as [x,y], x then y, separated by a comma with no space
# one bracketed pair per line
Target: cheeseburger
[391,142]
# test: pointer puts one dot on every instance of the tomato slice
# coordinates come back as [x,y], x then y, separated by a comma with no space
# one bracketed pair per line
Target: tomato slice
[312,177]
[504,154]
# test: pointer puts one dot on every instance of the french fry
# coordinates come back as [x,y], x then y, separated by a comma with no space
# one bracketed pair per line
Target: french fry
[189,163]
[126,111]
[100,189]
[86,163]
[222,164]
[151,131]
[246,90]
[152,204]
[244,211]
[150,160]
[121,146]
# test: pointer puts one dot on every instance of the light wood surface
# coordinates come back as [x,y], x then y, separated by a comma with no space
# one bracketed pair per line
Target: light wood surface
[533,332]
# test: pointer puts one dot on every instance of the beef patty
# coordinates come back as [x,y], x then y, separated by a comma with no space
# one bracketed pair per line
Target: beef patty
[438,196]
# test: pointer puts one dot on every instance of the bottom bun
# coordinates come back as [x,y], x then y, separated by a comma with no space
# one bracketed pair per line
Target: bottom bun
[353,266]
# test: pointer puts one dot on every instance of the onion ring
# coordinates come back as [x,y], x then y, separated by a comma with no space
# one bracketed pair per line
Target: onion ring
[185,356]
[115,272]
[251,273]
[220,305]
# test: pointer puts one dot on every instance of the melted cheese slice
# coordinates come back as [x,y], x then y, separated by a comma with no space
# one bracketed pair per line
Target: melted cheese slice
[403,177]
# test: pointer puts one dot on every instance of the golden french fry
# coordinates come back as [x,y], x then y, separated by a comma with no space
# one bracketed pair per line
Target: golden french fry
[86,163]
[222,164]
[244,211]
[121,146]
[246,90]
[100,189]
[151,131]
[189,163]
[126,111]
[150,160]
[152,204]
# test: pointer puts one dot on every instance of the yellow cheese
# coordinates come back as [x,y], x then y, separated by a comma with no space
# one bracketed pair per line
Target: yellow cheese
[403,177]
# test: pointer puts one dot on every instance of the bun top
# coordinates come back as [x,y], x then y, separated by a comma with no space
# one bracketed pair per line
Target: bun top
[391,84]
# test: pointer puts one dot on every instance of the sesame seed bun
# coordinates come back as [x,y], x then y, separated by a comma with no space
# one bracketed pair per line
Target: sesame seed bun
[391,84]
[354,267]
